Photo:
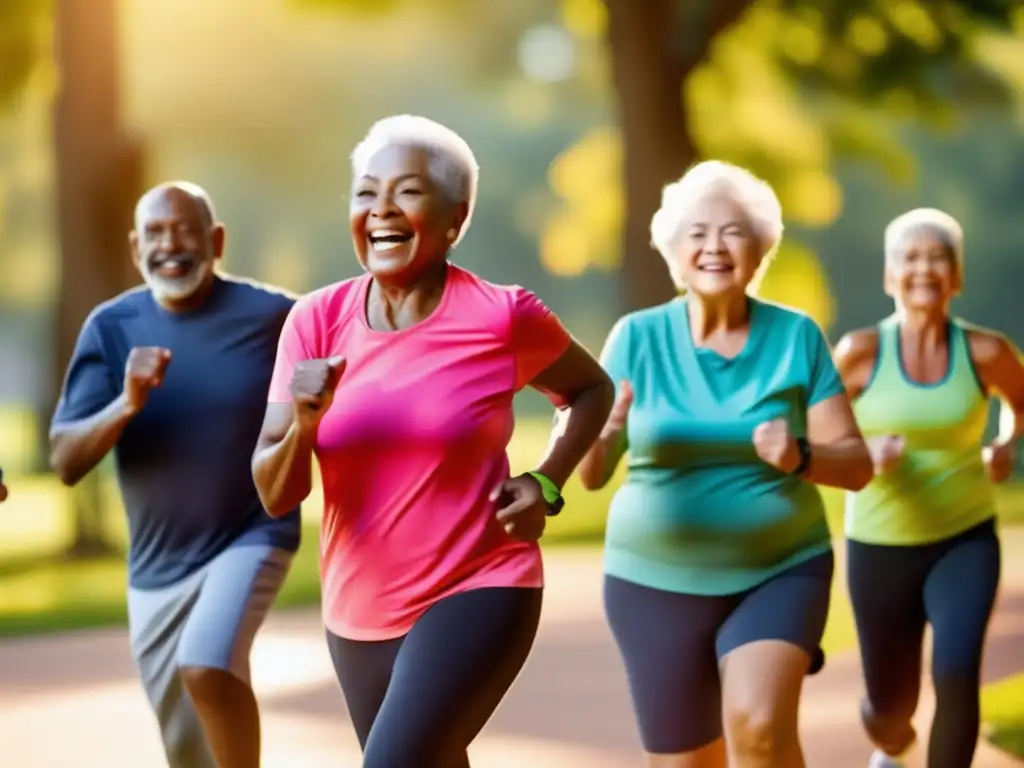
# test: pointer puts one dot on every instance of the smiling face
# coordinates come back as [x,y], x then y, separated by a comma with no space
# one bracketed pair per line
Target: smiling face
[922,273]
[718,251]
[175,245]
[401,219]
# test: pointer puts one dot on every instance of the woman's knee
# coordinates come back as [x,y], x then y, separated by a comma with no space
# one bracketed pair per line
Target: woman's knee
[762,683]
[759,730]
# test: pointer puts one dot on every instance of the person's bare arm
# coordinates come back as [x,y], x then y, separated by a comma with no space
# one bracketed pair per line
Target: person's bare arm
[577,380]
[282,465]
[854,357]
[607,451]
[839,455]
[599,463]
[76,447]
[999,366]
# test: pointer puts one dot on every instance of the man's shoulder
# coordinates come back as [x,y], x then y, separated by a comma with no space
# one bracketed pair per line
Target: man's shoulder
[256,294]
[134,302]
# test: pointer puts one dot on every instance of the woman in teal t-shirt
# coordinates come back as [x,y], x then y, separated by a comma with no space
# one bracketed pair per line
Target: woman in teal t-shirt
[718,559]
[922,546]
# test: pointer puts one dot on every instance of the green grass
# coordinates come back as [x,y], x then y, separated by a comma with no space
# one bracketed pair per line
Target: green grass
[1002,709]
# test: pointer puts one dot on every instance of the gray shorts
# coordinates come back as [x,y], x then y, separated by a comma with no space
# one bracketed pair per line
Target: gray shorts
[210,620]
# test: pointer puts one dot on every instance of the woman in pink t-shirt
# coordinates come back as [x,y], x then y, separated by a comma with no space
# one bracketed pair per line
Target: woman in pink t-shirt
[401,383]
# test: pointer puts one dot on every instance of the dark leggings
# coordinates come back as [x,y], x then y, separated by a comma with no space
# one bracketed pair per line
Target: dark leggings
[895,592]
[419,700]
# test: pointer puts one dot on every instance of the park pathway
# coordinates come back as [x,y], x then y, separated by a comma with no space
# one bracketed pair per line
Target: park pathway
[73,701]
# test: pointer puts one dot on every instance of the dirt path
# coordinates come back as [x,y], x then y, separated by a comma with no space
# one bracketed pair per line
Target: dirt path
[73,701]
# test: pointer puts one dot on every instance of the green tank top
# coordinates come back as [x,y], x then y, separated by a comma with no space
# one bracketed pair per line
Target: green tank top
[940,487]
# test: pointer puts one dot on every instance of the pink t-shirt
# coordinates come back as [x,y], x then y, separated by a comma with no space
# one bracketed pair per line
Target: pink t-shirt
[414,443]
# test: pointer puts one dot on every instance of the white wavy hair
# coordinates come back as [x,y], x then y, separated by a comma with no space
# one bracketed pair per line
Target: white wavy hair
[452,164]
[932,219]
[754,195]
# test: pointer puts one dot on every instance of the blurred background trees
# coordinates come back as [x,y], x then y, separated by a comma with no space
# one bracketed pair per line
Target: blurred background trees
[579,111]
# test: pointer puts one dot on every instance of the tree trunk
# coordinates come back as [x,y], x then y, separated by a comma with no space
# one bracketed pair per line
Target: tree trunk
[654,46]
[99,175]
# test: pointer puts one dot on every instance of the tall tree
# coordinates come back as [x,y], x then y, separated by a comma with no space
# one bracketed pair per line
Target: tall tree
[99,175]
[783,86]
[864,50]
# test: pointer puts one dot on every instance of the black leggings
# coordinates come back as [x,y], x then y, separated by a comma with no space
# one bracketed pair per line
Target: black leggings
[895,592]
[418,701]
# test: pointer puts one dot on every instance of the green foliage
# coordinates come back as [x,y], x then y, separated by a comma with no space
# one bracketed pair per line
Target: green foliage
[909,54]
[23,39]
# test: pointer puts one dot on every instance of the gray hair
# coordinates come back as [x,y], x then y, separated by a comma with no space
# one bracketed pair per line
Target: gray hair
[932,219]
[452,164]
[755,196]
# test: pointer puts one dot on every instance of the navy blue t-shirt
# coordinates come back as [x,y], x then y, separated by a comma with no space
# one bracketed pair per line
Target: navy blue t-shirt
[183,462]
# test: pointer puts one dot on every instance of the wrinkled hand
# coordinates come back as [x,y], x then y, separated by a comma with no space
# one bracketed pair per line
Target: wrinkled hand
[620,410]
[886,452]
[143,372]
[312,388]
[776,445]
[998,457]
[521,507]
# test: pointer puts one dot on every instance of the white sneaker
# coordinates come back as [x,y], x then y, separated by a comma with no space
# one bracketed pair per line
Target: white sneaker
[881,760]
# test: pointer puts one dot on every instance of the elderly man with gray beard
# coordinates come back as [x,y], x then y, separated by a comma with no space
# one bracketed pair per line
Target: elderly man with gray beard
[173,377]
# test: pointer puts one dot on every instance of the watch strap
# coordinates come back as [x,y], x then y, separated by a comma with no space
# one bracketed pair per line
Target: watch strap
[803,445]
[551,492]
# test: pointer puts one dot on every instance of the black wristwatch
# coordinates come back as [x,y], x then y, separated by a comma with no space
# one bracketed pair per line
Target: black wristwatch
[552,495]
[803,446]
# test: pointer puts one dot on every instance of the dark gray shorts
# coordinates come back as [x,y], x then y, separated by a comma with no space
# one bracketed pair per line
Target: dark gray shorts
[209,620]
[672,643]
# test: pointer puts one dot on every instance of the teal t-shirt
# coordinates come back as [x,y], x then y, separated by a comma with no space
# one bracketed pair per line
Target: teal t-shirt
[699,512]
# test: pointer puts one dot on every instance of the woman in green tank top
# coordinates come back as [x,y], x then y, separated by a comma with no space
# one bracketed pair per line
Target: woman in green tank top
[922,544]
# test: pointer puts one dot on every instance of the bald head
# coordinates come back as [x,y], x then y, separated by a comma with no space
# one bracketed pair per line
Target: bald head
[177,241]
[171,194]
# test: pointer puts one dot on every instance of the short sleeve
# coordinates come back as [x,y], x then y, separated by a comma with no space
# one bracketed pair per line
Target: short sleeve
[825,381]
[90,384]
[615,357]
[538,337]
[293,346]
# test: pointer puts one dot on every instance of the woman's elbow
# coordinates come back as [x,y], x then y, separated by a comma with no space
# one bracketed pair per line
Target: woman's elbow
[861,472]
[591,477]
[604,396]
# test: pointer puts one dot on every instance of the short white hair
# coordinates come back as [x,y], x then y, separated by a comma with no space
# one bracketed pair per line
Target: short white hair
[452,163]
[754,195]
[940,222]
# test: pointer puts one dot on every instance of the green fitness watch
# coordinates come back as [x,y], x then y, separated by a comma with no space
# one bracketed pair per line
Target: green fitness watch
[552,495]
